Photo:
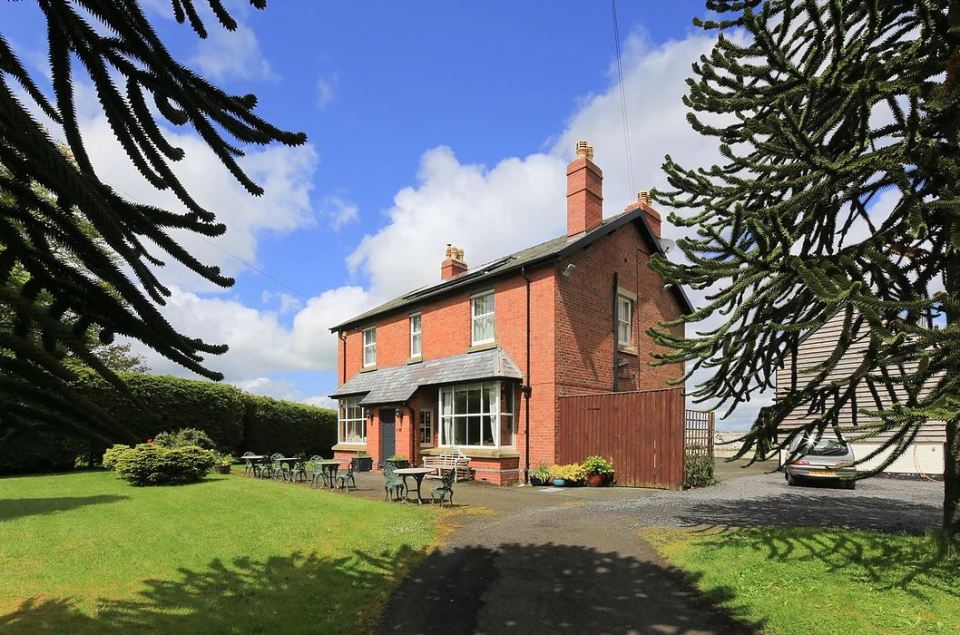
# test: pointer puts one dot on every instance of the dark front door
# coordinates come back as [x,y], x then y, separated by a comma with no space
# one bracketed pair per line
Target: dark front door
[388,434]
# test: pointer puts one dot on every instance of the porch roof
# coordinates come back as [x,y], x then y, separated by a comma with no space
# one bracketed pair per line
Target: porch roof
[398,383]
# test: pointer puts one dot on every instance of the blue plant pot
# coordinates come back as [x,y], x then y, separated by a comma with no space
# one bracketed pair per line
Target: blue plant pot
[559,482]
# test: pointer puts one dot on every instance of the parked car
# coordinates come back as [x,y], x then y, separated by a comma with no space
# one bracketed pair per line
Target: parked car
[828,458]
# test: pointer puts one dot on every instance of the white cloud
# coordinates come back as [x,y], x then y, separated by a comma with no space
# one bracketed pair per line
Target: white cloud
[259,343]
[231,54]
[487,212]
[285,173]
[327,90]
[339,211]
[287,301]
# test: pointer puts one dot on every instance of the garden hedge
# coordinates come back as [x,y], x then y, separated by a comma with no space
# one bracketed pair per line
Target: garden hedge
[235,420]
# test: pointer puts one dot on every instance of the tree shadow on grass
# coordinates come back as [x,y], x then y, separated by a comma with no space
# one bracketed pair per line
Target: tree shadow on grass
[794,527]
[294,594]
[11,508]
[553,588]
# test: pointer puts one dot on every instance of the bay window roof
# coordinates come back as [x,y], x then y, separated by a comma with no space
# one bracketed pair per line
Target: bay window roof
[398,383]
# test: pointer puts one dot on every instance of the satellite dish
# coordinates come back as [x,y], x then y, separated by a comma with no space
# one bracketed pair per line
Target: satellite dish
[667,245]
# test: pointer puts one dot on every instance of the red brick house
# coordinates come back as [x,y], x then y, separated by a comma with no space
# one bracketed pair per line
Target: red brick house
[479,359]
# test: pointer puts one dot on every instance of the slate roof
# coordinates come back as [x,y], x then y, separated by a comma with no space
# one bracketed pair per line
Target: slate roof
[398,383]
[548,251]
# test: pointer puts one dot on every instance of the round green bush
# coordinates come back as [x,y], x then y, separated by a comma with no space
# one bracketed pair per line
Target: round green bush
[185,437]
[150,464]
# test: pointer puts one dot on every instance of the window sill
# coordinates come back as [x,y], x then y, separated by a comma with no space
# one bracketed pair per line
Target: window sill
[629,350]
[476,452]
[368,369]
[415,360]
[349,447]
[486,346]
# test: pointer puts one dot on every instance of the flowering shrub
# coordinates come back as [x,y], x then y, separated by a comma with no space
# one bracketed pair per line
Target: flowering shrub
[597,465]
[184,437]
[572,472]
[152,464]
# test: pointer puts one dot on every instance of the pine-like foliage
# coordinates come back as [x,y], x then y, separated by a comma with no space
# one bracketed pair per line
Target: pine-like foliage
[821,109]
[81,259]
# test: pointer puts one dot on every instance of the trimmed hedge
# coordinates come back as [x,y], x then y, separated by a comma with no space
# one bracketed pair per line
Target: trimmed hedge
[150,464]
[272,425]
[236,421]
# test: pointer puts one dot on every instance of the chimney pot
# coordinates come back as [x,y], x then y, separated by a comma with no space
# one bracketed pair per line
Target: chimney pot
[453,264]
[653,216]
[584,191]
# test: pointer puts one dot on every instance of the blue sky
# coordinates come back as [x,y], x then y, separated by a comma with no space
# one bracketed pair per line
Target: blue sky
[428,123]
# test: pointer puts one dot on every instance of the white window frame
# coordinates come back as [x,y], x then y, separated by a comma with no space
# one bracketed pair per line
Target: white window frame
[477,317]
[447,419]
[416,336]
[370,346]
[344,419]
[429,428]
[624,322]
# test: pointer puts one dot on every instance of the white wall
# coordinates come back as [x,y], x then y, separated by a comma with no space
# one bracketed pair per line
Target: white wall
[919,459]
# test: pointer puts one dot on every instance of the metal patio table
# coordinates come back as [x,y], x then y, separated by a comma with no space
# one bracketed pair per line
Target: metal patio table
[329,467]
[417,473]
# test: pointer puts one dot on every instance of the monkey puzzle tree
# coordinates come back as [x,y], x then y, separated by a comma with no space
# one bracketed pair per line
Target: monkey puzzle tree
[838,123]
[60,282]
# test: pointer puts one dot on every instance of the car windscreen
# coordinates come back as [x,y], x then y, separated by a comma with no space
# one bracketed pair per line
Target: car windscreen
[826,447]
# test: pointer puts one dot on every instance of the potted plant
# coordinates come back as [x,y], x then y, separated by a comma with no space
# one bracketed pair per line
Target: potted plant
[364,462]
[398,461]
[224,463]
[540,475]
[568,475]
[598,470]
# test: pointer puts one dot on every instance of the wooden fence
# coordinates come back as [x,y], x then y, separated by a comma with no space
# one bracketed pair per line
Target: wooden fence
[642,432]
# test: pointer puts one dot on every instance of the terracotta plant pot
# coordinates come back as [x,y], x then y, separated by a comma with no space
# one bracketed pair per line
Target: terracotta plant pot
[599,480]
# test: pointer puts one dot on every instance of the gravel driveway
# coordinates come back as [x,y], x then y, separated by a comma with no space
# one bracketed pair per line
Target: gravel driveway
[879,504]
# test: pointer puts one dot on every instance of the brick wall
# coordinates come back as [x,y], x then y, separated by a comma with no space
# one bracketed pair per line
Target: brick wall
[445,331]
[585,317]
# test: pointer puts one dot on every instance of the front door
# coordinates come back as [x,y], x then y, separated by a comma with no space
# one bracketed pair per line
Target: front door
[388,434]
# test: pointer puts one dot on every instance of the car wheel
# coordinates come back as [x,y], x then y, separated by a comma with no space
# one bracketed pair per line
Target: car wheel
[791,479]
[851,484]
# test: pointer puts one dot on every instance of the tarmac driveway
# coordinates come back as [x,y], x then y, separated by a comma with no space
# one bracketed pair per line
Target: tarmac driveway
[570,560]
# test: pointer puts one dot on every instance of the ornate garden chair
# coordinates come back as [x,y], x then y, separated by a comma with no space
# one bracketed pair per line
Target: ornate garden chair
[343,478]
[392,485]
[298,471]
[250,467]
[279,471]
[445,491]
[317,473]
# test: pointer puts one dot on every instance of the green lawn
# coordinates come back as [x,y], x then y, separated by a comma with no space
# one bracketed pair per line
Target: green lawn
[87,553]
[806,580]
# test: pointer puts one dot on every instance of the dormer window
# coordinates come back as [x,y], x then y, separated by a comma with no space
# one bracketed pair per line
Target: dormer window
[370,347]
[481,311]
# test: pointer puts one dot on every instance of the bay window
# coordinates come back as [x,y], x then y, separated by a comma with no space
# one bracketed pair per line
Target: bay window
[478,415]
[351,424]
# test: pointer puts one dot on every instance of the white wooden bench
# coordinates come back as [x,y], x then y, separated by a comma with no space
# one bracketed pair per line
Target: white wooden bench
[449,459]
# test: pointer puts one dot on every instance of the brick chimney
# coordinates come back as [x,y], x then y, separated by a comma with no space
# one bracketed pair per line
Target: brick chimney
[653,216]
[453,264]
[584,191]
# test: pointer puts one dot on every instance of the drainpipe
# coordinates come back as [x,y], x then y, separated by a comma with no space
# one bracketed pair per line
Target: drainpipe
[527,390]
[616,344]
[343,338]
